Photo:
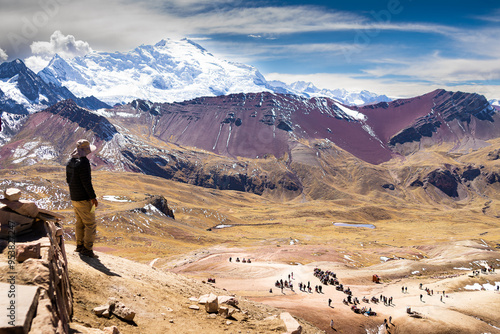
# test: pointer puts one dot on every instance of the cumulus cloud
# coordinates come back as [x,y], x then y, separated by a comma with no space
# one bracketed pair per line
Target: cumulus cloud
[66,46]
[3,55]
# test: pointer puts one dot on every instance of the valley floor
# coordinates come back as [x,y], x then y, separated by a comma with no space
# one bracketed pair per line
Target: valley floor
[457,311]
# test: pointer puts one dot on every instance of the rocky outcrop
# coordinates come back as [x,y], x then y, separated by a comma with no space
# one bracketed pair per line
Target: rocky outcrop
[471,173]
[160,203]
[100,125]
[389,186]
[171,166]
[445,181]
[494,155]
[492,177]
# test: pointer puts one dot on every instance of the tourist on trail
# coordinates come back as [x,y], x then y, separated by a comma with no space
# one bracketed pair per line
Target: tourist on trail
[331,323]
[329,302]
[83,197]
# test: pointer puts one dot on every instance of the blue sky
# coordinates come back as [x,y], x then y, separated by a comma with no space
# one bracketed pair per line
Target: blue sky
[400,48]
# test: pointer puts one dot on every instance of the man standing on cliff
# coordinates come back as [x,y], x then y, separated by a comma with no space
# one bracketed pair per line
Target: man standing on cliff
[83,198]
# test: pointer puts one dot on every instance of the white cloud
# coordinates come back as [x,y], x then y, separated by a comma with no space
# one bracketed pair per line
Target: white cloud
[441,70]
[3,55]
[65,46]
[37,63]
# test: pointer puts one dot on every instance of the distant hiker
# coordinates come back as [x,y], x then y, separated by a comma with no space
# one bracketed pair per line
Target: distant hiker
[329,302]
[83,197]
[331,323]
[421,297]
[230,259]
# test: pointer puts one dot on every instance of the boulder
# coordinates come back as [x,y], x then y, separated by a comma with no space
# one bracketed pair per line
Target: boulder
[27,251]
[203,299]
[212,305]
[229,300]
[292,325]
[123,312]
[224,311]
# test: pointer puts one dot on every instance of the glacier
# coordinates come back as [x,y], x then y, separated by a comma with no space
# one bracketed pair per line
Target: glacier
[169,71]
[174,71]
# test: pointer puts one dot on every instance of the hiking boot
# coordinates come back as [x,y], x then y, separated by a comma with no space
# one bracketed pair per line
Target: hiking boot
[89,253]
[79,248]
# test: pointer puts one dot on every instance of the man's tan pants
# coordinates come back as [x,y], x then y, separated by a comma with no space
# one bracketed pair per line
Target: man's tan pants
[85,229]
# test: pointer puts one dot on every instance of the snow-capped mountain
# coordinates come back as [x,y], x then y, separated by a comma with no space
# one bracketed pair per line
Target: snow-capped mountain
[307,89]
[495,103]
[169,71]
[23,92]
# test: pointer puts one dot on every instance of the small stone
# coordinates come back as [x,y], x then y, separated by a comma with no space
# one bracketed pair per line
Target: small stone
[27,251]
[229,322]
[12,194]
[99,310]
[171,321]
[106,314]
[194,307]
[111,330]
